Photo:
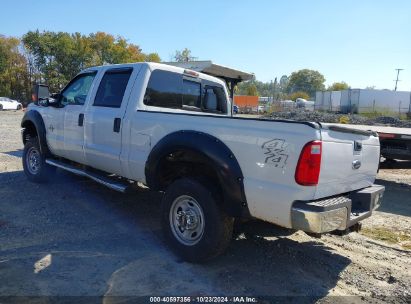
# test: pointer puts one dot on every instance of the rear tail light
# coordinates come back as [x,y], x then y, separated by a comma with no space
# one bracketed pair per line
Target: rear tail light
[309,164]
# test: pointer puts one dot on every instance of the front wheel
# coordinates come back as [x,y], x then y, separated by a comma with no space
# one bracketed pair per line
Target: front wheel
[193,223]
[34,162]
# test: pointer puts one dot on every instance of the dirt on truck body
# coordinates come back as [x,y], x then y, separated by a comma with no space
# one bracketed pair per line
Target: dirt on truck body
[73,237]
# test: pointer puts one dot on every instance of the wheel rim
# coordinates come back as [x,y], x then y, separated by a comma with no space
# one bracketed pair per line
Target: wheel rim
[33,160]
[187,220]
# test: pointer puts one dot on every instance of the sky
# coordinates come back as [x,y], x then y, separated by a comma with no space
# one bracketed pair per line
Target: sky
[359,42]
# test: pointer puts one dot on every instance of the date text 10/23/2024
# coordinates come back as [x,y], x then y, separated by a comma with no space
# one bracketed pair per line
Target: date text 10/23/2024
[204,299]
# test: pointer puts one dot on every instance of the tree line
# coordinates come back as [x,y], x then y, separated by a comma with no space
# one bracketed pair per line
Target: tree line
[56,57]
[300,84]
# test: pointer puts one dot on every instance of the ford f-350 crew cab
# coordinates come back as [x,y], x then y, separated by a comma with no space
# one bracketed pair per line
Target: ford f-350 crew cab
[172,130]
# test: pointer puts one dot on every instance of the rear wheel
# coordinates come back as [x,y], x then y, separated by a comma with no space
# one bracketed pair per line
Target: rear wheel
[19,107]
[34,162]
[1,107]
[193,223]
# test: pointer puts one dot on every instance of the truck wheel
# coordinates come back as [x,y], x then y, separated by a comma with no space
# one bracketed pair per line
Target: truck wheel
[193,224]
[34,162]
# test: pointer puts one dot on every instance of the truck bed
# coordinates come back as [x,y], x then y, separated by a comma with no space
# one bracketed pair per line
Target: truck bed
[378,129]
[395,142]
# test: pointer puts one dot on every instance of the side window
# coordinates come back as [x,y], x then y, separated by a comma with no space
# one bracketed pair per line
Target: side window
[110,93]
[76,91]
[191,94]
[171,90]
[214,99]
[164,90]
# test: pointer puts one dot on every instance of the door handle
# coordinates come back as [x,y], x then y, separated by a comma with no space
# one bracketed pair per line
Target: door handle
[117,124]
[81,119]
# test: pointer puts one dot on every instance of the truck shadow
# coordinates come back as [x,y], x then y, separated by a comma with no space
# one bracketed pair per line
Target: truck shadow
[103,243]
[397,197]
[269,263]
[16,153]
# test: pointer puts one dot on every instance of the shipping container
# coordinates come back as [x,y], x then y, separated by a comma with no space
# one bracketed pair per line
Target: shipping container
[245,101]
[363,101]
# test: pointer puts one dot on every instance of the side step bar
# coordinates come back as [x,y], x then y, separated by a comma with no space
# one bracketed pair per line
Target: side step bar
[115,185]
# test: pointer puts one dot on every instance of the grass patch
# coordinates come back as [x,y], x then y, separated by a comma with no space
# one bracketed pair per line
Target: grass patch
[373,115]
[388,236]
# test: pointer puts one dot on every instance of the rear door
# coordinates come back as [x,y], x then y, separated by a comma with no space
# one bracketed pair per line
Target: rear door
[350,160]
[104,119]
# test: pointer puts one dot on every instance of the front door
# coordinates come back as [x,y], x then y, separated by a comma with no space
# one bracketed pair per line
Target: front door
[104,123]
[73,98]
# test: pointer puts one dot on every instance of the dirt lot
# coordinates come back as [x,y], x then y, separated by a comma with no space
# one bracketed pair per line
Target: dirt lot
[73,237]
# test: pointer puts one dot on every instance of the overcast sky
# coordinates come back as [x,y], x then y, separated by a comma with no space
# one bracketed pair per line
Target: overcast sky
[360,42]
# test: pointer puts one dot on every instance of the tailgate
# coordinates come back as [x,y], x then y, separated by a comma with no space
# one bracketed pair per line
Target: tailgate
[350,160]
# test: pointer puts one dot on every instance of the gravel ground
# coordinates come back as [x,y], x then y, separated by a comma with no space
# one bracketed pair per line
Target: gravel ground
[73,237]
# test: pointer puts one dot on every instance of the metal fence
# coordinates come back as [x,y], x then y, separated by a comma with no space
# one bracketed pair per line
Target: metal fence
[354,109]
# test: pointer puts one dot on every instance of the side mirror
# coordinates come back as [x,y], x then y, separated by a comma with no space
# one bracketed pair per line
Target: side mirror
[44,102]
[54,100]
[40,92]
[49,101]
[41,96]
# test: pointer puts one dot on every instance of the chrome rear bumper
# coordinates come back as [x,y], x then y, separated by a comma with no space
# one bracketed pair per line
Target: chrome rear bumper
[336,213]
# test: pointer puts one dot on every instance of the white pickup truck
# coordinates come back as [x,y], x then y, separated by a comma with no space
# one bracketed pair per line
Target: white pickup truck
[172,130]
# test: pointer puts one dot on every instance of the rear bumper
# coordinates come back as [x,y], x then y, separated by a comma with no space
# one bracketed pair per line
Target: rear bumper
[336,213]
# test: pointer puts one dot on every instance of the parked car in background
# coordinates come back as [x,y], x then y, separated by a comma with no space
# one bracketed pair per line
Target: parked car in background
[9,104]
[304,104]
[261,109]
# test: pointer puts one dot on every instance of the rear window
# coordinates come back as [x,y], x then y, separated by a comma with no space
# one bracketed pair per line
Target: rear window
[112,87]
[164,90]
[172,90]
[191,92]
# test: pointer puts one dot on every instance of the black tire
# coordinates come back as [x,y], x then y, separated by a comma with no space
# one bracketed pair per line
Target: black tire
[34,162]
[217,226]
[18,107]
[1,107]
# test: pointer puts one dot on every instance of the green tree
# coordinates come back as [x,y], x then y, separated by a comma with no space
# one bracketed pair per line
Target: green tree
[55,58]
[306,80]
[184,56]
[338,86]
[108,49]
[299,94]
[153,57]
[252,90]
[14,80]
[283,83]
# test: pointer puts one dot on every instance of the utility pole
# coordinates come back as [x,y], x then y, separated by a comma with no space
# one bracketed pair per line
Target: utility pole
[396,81]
